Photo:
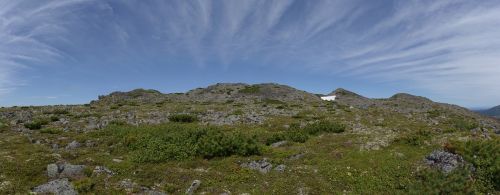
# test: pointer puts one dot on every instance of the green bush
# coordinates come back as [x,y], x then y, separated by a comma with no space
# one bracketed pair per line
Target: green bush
[415,138]
[54,118]
[182,118]
[2,125]
[217,143]
[485,157]
[276,137]
[84,185]
[463,124]
[435,182]
[150,144]
[324,127]
[297,136]
[36,124]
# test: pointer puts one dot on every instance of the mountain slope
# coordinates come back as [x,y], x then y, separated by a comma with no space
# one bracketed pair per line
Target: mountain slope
[493,112]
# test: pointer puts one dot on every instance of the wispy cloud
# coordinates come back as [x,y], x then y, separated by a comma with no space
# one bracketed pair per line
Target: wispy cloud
[446,47]
[25,30]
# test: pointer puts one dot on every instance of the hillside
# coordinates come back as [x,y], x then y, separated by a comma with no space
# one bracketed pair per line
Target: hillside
[493,112]
[235,138]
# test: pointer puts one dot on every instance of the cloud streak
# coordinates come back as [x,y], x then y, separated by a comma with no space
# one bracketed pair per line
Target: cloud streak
[446,47]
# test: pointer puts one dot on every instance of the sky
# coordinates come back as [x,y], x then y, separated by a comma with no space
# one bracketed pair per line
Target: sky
[71,51]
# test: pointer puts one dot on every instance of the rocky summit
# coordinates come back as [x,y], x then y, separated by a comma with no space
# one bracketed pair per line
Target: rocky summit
[236,138]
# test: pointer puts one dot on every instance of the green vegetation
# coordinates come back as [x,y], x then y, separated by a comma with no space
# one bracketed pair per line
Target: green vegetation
[324,127]
[485,157]
[51,131]
[181,141]
[36,124]
[434,182]
[182,118]
[463,124]
[301,135]
[252,89]
[415,138]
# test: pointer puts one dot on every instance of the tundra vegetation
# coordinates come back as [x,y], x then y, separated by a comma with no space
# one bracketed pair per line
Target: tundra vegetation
[256,139]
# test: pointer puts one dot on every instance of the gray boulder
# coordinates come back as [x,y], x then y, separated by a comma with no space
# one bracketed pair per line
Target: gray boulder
[444,161]
[72,171]
[58,187]
[261,165]
[194,186]
[65,171]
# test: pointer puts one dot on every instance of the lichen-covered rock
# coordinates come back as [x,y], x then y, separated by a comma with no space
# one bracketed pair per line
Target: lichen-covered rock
[444,161]
[58,187]
[280,168]
[261,165]
[52,170]
[73,145]
[99,170]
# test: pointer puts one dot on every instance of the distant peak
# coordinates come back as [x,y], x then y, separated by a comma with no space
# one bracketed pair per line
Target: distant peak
[406,96]
[345,93]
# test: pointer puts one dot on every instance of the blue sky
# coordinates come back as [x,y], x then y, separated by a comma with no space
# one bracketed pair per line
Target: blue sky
[70,51]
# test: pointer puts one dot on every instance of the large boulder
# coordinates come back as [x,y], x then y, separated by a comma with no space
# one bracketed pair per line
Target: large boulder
[58,187]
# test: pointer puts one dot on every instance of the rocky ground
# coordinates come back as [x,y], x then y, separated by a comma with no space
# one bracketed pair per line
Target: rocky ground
[248,139]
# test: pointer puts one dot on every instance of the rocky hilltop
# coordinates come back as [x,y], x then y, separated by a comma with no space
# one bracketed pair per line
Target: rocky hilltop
[236,138]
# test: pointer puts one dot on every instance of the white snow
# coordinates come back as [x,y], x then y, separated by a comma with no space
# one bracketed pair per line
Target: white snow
[329,98]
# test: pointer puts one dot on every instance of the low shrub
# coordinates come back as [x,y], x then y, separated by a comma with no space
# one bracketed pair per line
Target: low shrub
[54,118]
[36,124]
[324,127]
[182,118]
[485,157]
[435,182]
[297,136]
[463,124]
[84,185]
[151,144]
[276,137]
[415,138]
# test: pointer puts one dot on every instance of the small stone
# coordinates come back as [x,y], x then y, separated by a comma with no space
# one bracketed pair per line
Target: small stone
[73,145]
[98,170]
[194,186]
[117,160]
[52,170]
[278,144]
[280,168]
[296,156]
